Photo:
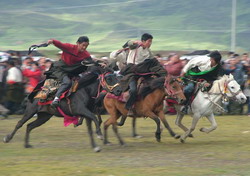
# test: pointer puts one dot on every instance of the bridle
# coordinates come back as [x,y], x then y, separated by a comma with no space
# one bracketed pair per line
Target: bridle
[226,90]
[168,88]
[104,83]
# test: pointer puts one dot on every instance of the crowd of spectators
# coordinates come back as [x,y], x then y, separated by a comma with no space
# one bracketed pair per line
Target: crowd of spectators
[19,75]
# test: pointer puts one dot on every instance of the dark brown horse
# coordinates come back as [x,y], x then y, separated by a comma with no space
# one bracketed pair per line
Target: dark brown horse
[150,105]
[82,104]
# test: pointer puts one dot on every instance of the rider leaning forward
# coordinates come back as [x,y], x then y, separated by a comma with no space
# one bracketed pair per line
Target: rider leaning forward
[206,68]
[140,62]
[70,63]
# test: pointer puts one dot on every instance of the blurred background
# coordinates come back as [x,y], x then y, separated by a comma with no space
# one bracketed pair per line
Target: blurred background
[175,25]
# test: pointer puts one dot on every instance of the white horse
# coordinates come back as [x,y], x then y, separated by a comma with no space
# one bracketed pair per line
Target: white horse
[205,103]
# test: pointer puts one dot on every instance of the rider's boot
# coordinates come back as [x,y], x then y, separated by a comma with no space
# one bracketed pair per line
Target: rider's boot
[55,102]
[184,109]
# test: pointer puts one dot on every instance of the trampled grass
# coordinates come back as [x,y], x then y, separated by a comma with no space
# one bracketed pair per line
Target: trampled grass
[63,151]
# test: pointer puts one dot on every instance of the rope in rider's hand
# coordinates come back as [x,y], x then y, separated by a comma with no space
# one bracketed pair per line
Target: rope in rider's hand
[33,47]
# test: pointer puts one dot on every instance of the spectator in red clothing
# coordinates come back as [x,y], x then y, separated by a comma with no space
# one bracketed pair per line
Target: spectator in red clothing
[71,58]
[174,66]
[34,76]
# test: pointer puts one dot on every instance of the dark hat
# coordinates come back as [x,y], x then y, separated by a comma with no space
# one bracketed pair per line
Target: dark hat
[215,55]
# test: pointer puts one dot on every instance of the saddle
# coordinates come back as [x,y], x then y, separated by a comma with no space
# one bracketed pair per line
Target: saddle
[141,82]
[50,87]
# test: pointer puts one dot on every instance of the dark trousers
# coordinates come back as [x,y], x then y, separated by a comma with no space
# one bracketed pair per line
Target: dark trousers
[66,84]
[132,94]
[188,90]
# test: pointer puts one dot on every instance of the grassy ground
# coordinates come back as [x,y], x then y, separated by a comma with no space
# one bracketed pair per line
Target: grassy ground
[62,150]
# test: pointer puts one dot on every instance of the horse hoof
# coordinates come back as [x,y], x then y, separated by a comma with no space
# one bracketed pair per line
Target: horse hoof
[28,146]
[100,137]
[158,140]
[97,149]
[177,136]
[107,143]
[191,135]
[182,141]
[137,136]
[6,139]
[123,145]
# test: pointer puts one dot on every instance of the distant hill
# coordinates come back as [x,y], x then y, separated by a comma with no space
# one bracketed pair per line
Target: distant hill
[175,25]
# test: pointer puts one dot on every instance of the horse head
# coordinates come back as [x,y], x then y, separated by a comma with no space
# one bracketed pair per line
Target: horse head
[110,83]
[231,89]
[174,89]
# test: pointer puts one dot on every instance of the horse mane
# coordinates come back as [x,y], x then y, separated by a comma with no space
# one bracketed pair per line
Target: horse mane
[154,84]
[91,75]
[219,83]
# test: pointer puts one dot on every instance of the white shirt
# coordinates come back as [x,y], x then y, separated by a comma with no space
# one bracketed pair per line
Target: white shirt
[14,74]
[138,55]
[203,63]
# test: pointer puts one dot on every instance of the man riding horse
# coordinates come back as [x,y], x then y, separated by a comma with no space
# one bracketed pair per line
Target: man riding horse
[69,65]
[202,68]
[139,63]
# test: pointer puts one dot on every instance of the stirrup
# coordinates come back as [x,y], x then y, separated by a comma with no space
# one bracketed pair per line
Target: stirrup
[55,103]
[184,109]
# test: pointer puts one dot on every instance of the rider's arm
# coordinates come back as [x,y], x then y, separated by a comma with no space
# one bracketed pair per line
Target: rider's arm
[60,45]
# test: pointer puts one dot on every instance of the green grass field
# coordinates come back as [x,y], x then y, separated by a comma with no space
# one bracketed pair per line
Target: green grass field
[60,151]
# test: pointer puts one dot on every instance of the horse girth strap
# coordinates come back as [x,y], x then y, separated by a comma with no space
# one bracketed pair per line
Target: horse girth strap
[69,104]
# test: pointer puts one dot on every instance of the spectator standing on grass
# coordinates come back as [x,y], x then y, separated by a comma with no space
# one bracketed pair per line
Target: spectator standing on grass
[14,87]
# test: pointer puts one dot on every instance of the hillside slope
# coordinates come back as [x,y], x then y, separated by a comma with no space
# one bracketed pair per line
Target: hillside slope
[175,25]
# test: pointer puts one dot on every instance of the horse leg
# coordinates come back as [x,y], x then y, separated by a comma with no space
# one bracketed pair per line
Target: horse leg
[158,125]
[79,122]
[123,119]
[106,125]
[90,131]
[164,121]
[178,122]
[87,114]
[213,124]
[42,118]
[195,120]
[134,134]
[99,119]
[115,129]
[29,113]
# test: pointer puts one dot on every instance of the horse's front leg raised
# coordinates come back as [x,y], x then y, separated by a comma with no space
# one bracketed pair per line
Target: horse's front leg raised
[213,124]
[79,122]
[195,120]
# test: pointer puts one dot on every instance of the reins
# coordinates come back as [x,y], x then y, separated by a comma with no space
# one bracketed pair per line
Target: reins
[103,83]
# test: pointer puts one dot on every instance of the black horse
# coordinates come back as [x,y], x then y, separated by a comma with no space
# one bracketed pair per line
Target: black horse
[82,104]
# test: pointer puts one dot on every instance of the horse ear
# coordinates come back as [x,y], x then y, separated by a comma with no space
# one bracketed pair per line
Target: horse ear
[231,76]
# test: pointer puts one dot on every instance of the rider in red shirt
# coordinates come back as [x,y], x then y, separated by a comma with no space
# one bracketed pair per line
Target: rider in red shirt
[70,63]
